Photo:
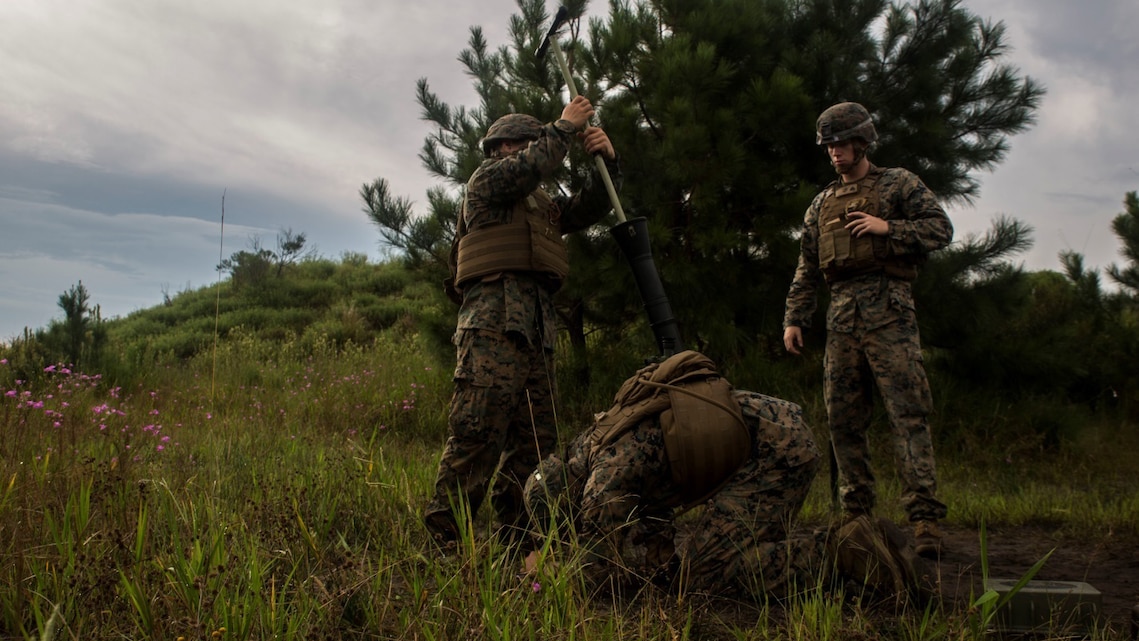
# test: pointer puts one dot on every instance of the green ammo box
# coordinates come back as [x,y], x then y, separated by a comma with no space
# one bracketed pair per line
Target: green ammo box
[1047,606]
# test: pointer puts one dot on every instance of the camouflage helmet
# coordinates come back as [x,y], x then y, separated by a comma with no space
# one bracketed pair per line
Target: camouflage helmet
[545,492]
[511,127]
[845,121]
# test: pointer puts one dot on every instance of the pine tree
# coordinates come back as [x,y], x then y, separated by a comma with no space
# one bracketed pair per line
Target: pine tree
[79,338]
[1126,227]
[711,105]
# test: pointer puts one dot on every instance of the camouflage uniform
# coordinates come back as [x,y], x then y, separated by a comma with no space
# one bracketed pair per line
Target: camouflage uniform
[741,542]
[502,410]
[872,339]
[623,501]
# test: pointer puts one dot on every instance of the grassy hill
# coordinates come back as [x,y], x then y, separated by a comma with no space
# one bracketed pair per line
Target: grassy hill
[350,301]
[251,462]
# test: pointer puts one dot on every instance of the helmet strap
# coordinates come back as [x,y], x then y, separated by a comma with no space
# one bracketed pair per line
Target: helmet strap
[859,147]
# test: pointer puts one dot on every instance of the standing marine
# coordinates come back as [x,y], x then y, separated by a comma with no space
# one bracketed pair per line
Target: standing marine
[507,262]
[866,235]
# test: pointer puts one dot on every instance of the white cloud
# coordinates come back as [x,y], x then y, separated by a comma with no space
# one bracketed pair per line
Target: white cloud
[310,97]
[126,261]
[1068,174]
[1077,108]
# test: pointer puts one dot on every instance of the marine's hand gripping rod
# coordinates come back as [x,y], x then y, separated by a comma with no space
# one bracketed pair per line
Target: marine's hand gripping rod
[632,236]
[552,38]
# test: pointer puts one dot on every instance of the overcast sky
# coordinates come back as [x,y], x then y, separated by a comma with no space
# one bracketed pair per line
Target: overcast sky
[123,122]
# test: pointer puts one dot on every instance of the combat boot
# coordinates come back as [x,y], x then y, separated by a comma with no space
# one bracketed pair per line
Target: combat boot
[927,539]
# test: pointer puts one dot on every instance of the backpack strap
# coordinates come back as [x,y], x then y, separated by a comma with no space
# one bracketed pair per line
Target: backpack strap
[640,395]
[705,435]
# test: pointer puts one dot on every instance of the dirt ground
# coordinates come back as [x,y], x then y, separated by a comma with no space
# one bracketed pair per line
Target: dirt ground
[1110,565]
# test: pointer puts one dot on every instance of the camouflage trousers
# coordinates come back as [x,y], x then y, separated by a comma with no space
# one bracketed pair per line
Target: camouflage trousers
[741,541]
[890,358]
[501,418]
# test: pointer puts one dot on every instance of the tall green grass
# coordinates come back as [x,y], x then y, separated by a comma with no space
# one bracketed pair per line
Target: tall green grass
[274,490]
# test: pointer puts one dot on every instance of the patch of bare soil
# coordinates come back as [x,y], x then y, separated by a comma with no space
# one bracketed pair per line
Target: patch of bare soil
[1109,564]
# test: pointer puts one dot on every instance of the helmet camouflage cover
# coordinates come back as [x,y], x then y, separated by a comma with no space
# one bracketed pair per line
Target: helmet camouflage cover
[511,127]
[845,121]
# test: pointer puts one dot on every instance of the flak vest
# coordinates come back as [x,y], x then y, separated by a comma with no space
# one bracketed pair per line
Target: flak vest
[843,255]
[530,242]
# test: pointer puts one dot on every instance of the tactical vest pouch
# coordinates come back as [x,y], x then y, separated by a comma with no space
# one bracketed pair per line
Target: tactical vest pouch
[550,255]
[491,250]
[704,435]
[530,242]
[843,255]
[834,248]
[866,249]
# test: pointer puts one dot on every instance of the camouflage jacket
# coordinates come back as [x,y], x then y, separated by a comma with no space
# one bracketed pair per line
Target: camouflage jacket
[623,497]
[918,225]
[516,301]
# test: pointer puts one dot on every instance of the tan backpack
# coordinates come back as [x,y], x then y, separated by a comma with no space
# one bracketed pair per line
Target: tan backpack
[705,436]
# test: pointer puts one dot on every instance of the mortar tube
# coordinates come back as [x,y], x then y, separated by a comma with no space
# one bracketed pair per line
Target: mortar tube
[632,237]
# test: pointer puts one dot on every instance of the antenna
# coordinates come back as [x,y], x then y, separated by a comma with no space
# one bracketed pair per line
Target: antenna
[217,303]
